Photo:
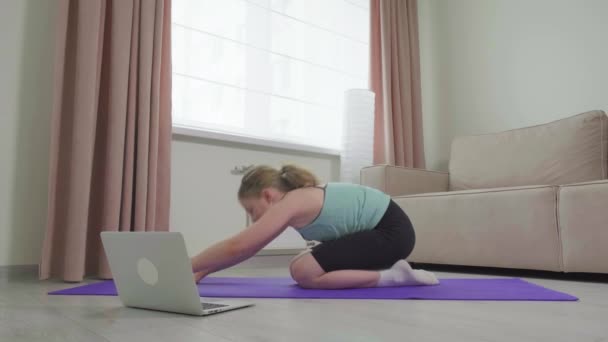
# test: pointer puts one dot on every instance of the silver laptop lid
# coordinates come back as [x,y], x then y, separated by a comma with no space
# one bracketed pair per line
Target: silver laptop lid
[152,270]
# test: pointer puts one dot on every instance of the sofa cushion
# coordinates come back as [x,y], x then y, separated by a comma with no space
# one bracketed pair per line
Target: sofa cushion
[570,150]
[397,180]
[505,227]
[583,226]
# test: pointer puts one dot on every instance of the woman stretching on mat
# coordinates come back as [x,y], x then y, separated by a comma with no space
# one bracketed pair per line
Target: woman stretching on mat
[365,236]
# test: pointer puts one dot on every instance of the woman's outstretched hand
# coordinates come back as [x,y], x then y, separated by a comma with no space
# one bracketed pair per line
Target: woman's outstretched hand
[198,276]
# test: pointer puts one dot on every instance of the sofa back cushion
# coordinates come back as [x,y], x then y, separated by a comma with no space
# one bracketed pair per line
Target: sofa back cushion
[566,151]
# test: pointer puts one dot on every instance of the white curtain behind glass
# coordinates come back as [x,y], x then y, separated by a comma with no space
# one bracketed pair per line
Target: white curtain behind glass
[274,69]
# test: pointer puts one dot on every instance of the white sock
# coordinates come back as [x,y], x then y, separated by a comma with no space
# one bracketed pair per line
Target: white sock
[402,274]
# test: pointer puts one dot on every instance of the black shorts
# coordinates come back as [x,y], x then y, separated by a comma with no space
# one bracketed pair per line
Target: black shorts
[392,239]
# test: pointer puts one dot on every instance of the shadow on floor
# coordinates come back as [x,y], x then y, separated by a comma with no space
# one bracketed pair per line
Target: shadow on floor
[509,272]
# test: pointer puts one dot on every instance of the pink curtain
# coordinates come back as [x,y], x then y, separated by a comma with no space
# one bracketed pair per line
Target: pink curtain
[395,78]
[110,130]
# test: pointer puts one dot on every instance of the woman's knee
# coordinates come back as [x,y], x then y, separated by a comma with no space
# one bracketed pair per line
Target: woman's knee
[305,272]
[298,272]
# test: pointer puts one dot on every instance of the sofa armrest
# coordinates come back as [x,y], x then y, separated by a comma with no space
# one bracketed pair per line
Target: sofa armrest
[400,181]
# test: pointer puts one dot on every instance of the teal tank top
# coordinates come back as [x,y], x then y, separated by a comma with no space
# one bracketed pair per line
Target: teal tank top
[347,208]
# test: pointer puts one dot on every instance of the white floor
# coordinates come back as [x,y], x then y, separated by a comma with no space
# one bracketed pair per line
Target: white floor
[28,314]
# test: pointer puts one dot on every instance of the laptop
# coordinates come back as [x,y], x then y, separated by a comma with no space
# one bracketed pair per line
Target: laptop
[152,271]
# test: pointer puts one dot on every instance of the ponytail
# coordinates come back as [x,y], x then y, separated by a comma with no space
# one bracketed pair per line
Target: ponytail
[294,177]
[287,178]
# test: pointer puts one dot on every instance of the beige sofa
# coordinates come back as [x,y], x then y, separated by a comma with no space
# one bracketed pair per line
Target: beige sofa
[531,198]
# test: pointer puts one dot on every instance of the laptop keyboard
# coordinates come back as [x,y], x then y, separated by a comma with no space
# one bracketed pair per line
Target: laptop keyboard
[208,306]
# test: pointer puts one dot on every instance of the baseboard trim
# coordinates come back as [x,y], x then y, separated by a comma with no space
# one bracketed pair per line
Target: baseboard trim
[275,257]
[265,262]
[279,251]
[12,271]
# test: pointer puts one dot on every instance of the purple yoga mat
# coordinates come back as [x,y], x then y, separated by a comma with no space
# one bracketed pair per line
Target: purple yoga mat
[494,289]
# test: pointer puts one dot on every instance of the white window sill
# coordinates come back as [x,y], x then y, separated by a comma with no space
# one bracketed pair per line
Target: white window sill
[189,131]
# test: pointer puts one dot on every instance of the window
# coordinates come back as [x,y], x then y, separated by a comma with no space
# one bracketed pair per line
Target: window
[270,69]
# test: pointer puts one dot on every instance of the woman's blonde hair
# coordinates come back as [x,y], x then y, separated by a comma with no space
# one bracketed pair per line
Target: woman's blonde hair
[289,177]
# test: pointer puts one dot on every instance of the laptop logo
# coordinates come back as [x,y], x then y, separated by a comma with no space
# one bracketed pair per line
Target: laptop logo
[147,271]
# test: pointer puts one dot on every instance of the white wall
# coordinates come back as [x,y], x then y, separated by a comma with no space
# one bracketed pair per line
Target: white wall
[204,204]
[491,65]
[26,37]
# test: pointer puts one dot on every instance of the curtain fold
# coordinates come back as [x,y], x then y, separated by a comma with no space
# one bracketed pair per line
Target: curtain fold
[110,130]
[395,79]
